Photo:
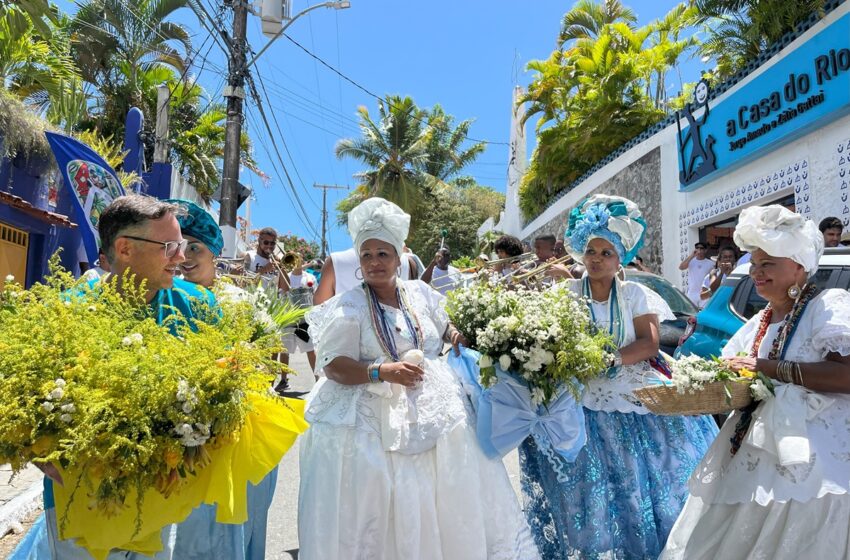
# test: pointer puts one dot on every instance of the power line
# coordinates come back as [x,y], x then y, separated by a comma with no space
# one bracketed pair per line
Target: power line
[376,96]
[283,140]
[297,199]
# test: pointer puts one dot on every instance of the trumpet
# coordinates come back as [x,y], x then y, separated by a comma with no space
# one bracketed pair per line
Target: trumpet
[522,259]
[540,270]
[291,260]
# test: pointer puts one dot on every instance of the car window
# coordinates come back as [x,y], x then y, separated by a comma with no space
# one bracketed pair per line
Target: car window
[755,303]
[677,301]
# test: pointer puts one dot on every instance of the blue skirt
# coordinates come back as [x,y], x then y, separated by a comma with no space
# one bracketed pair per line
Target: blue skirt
[621,496]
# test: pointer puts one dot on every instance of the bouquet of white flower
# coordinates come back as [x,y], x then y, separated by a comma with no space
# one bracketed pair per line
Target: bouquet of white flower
[544,338]
[700,386]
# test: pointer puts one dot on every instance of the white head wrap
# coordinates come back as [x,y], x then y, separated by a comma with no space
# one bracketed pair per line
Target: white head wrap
[376,218]
[780,233]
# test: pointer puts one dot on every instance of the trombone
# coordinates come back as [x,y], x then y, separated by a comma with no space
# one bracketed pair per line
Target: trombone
[539,270]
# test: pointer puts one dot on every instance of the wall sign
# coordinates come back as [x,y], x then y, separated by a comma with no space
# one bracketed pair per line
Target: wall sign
[789,99]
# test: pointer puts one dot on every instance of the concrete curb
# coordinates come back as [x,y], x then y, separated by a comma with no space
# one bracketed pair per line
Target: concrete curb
[16,509]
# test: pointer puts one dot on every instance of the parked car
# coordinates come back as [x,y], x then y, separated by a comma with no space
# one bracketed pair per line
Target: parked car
[671,330]
[736,301]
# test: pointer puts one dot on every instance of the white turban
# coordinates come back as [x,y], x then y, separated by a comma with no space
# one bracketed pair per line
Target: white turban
[376,218]
[780,233]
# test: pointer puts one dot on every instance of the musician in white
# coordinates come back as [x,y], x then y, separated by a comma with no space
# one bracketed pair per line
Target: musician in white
[440,273]
[300,281]
[261,261]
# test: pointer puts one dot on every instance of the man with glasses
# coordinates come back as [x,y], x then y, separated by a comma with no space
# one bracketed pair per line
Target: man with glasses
[260,261]
[698,267]
[141,237]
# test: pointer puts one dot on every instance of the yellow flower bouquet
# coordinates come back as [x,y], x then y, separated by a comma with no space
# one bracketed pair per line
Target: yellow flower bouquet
[143,421]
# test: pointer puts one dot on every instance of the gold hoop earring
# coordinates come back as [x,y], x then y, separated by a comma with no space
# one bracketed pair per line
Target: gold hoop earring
[794,292]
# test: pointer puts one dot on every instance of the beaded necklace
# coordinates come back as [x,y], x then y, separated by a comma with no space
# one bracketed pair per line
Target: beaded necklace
[616,327]
[382,327]
[786,331]
[777,352]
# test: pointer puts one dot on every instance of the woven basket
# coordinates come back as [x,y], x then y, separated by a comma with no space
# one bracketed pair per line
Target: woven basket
[665,400]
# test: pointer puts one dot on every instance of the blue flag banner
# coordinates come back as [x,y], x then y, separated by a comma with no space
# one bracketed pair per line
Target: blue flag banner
[92,183]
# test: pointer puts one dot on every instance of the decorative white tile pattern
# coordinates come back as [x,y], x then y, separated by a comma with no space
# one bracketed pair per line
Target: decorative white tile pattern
[840,206]
[792,176]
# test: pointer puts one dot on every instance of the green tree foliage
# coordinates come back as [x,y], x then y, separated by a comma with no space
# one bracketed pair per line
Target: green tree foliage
[738,31]
[308,250]
[603,86]
[460,212]
[415,157]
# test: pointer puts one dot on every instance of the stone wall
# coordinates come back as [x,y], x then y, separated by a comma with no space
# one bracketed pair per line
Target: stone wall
[640,182]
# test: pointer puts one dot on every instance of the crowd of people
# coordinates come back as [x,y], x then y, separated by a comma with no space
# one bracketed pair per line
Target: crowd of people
[391,468]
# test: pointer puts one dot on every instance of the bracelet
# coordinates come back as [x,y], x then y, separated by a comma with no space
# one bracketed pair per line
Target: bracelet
[799,373]
[374,372]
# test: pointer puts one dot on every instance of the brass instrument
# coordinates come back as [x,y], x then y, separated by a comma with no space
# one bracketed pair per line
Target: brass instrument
[539,271]
[291,260]
[522,259]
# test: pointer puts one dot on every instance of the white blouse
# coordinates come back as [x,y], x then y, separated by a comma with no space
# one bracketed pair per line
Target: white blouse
[408,420]
[798,444]
[615,394]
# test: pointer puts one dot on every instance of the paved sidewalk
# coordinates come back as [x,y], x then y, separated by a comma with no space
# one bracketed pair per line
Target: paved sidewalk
[20,495]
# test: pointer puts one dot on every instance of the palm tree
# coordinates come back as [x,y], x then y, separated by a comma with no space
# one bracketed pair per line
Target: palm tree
[30,63]
[115,41]
[446,154]
[587,18]
[394,148]
[740,30]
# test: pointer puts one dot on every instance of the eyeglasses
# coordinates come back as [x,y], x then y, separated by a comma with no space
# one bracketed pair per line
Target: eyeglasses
[171,247]
[268,242]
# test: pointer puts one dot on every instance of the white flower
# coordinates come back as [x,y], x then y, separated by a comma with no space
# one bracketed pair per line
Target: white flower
[548,358]
[135,338]
[60,383]
[537,396]
[505,362]
[187,407]
[47,406]
[10,279]
[70,408]
[66,418]
[67,304]
[56,394]
[92,308]
[760,391]
[184,429]
[485,361]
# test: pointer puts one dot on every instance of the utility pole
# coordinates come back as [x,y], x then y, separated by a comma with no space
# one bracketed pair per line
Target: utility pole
[235,94]
[325,214]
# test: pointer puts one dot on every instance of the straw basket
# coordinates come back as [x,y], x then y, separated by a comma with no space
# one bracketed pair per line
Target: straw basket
[665,400]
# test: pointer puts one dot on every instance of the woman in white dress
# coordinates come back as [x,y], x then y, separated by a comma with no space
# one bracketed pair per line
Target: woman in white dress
[775,483]
[390,467]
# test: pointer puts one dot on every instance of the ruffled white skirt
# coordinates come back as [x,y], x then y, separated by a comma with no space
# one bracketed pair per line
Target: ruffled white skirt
[358,501]
[818,528]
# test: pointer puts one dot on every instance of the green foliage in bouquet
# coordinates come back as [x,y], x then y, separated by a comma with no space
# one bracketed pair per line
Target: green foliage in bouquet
[89,381]
[546,338]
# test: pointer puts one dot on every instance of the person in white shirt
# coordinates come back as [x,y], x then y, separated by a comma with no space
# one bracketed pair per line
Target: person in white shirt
[698,267]
[259,261]
[442,276]
[101,267]
[294,337]
[725,265]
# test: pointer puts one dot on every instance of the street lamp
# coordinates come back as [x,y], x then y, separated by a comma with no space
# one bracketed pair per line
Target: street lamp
[341,5]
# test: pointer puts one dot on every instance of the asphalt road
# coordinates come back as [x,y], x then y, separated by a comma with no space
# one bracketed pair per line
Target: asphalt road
[282,539]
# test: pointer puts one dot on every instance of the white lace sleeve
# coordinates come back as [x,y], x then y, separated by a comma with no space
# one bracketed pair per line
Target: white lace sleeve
[742,340]
[637,300]
[654,304]
[831,322]
[334,327]
[435,302]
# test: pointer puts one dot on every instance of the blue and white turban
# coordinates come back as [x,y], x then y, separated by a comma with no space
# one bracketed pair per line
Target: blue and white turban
[613,218]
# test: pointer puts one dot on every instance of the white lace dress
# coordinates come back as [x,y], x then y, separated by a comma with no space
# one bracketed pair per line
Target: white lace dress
[784,495]
[390,473]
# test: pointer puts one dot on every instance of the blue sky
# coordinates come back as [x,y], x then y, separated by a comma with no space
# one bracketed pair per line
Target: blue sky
[464,55]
